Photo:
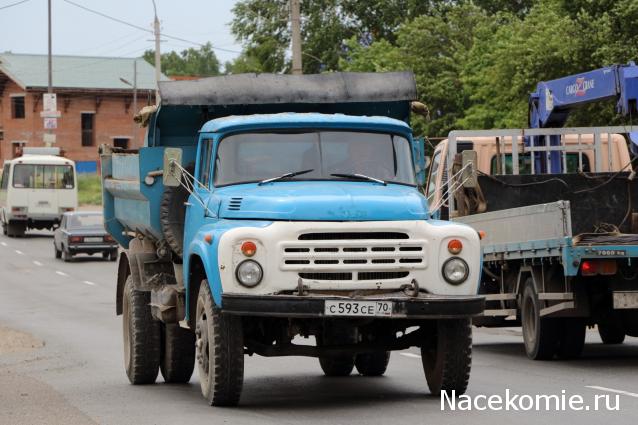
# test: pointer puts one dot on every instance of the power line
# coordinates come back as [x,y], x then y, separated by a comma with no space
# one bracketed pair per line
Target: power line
[108,17]
[13,4]
[145,29]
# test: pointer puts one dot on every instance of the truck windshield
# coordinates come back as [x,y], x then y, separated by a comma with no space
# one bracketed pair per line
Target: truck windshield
[35,176]
[253,157]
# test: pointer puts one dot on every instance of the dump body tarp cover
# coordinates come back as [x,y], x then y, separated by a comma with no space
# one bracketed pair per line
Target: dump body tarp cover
[245,89]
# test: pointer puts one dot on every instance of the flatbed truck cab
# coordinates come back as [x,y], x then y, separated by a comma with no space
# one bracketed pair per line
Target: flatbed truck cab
[561,248]
[278,220]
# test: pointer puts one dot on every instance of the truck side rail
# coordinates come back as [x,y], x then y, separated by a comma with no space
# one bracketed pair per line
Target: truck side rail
[528,232]
[516,139]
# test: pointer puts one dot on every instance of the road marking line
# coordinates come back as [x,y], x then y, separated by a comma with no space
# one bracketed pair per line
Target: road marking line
[37,263]
[415,356]
[88,282]
[61,273]
[3,243]
[611,390]
[18,252]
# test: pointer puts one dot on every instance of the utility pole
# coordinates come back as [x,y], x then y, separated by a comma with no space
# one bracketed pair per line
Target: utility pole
[134,102]
[50,87]
[158,57]
[296,37]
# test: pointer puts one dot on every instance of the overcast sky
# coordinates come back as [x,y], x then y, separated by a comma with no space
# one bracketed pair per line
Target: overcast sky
[23,28]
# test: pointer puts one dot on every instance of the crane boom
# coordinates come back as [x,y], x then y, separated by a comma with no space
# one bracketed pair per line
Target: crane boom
[551,103]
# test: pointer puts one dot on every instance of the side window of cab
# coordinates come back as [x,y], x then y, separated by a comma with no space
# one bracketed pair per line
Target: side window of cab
[205,159]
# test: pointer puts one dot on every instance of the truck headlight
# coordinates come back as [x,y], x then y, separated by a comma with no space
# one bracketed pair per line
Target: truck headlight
[249,273]
[455,271]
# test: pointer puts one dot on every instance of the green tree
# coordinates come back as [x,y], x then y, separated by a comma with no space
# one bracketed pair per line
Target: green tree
[434,47]
[200,62]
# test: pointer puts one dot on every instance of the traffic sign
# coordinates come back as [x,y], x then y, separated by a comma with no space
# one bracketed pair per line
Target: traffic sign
[50,123]
[50,102]
[49,138]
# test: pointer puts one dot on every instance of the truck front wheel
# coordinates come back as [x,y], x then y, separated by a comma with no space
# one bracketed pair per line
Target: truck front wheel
[141,336]
[372,364]
[219,351]
[178,354]
[539,335]
[447,356]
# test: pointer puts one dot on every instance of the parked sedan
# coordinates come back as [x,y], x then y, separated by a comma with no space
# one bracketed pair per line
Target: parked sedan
[82,232]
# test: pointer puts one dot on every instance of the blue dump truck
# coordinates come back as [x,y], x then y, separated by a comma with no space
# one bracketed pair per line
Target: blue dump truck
[267,208]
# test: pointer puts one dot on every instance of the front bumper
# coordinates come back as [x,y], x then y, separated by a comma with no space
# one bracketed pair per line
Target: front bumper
[425,306]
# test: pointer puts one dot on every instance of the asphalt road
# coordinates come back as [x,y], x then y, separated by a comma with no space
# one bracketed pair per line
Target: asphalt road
[78,375]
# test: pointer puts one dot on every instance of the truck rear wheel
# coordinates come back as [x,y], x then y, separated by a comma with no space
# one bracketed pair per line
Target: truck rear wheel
[447,357]
[16,229]
[612,331]
[220,351]
[539,335]
[571,339]
[372,364]
[141,336]
[336,365]
[178,354]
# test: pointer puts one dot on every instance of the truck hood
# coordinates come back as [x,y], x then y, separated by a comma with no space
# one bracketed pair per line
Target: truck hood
[320,201]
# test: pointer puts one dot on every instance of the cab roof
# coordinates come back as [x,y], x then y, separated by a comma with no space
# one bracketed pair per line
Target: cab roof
[292,120]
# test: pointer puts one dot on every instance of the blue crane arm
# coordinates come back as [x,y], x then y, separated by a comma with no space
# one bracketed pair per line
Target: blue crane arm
[551,103]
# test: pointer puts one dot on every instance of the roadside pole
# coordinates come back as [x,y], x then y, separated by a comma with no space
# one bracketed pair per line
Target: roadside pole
[158,57]
[296,37]
[49,112]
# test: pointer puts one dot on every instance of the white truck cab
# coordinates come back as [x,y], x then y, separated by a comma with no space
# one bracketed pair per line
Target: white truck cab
[35,190]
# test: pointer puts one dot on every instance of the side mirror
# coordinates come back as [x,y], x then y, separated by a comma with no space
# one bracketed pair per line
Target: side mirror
[469,175]
[172,175]
[421,161]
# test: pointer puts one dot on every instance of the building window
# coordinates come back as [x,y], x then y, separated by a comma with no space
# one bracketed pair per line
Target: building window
[17,107]
[120,142]
[88,124]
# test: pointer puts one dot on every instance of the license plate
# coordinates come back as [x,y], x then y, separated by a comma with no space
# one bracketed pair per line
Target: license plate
[96,239]
[358,308]
[625,299]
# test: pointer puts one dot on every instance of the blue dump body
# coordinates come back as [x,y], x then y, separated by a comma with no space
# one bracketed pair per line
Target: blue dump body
[132,196]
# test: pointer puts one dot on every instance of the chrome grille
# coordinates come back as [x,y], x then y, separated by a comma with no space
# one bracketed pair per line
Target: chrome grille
[363,256]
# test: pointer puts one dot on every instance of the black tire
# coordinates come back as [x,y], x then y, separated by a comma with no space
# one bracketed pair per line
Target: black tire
[372,364]
[539,335]
[113,255]
[106,255]
[571,339]
[337,365]
[219,351]
[58,253]
[15,230]
[66,254]
[142,338]
[172,212]
[611,332]
[178,354]
[447,357]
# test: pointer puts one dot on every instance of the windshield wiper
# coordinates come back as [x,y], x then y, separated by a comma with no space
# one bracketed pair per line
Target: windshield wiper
[286,176]
[360,177]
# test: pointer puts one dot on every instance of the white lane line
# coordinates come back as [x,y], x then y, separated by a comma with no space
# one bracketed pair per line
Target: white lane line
[88,282]
[60,273]
[3,243]
[612,390]
[414,356]
[18,252]
[37,263]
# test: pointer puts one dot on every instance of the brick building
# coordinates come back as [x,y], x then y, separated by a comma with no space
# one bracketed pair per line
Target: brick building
[93,97]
